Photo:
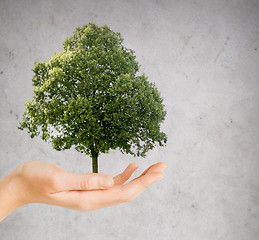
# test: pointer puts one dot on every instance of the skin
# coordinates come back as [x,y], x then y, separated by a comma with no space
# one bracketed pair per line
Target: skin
[44,182]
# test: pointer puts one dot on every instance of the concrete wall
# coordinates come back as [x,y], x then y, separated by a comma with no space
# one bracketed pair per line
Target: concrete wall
[203,57]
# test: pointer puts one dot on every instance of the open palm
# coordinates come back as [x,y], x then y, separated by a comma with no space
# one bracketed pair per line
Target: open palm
[44,182]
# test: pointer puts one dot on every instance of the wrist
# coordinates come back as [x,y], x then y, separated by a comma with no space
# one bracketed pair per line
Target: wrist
[9,195]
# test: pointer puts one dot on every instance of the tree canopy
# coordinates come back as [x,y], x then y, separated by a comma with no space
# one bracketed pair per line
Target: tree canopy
[91,98]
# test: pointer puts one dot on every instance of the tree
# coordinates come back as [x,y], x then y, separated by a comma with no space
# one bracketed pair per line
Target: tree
[89,97]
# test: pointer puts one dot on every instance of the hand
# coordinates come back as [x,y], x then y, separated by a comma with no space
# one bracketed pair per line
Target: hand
[43,182]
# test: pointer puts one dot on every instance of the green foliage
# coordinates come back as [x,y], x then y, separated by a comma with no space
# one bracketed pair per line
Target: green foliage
[89,97]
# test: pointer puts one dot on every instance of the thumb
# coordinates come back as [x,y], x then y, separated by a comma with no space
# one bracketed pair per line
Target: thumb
[87,181]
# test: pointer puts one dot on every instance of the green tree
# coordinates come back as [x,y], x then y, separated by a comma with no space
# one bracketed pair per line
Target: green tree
[89,97]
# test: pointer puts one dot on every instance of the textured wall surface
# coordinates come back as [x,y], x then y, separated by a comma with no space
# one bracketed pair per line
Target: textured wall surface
[203,57]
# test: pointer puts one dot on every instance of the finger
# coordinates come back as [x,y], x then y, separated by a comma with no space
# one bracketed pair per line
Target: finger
[89,181]
[157,167]
[123,177]
[139,184]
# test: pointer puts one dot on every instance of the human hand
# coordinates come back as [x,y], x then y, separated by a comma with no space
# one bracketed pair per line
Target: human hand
[43,182]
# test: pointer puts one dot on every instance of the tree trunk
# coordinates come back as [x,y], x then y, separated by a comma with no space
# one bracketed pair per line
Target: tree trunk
[95,162]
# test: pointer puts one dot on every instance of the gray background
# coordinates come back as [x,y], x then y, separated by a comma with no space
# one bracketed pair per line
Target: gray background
[203,57]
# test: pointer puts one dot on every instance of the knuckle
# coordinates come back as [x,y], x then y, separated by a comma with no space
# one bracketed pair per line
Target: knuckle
[85,182]
[89,181]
